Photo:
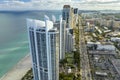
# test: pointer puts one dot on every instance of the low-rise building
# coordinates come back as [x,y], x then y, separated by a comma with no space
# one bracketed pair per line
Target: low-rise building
[115,39]
[106,47]
[101,73]
[90,44]
[113,34]
[107,31]
[97,48]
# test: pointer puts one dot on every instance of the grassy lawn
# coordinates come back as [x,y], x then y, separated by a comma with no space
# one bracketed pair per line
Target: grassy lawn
[69,57]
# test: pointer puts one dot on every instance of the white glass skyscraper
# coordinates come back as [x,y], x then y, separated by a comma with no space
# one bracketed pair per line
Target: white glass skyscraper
[62,38]
[61,25]
[44,48]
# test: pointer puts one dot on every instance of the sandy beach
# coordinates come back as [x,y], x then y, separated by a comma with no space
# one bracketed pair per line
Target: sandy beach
[19,70]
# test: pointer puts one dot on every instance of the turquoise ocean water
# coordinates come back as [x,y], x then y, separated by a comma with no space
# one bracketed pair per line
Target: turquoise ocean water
[13,36]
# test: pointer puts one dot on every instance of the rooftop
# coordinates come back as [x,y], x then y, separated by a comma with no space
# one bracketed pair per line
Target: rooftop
[106,47]
[40,24]
[66,6]
[93,43]
[102,52]
[34,22]
[101,73]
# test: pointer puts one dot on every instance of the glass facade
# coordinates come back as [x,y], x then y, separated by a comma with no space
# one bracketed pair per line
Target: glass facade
[33,52]
[44,48]
[42,53]
[53,45]
[66,16]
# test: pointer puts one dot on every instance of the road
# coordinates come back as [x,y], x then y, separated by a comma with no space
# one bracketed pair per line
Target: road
[84,62]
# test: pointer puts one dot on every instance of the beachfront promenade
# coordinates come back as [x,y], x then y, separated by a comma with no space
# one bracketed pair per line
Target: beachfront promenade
[19,70]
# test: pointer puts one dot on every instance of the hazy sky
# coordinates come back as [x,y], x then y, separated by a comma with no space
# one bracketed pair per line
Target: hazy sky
[58,4]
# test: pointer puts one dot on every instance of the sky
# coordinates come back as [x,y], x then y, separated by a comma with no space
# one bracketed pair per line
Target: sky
[58,4]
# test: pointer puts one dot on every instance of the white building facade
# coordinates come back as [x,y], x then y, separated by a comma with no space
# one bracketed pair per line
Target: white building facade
[62,38]
[44,48]
[69,44]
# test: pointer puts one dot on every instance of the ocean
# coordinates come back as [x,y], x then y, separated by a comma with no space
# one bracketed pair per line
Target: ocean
[14,38]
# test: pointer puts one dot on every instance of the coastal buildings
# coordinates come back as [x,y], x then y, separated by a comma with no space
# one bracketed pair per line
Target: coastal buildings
[66,14]
[62,38]
[75,21]
[49,40]
[44,48]
[69,40]
[70,15]
[61,26]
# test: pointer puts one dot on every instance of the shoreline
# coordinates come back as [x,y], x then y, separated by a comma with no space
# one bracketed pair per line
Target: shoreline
[19,70]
